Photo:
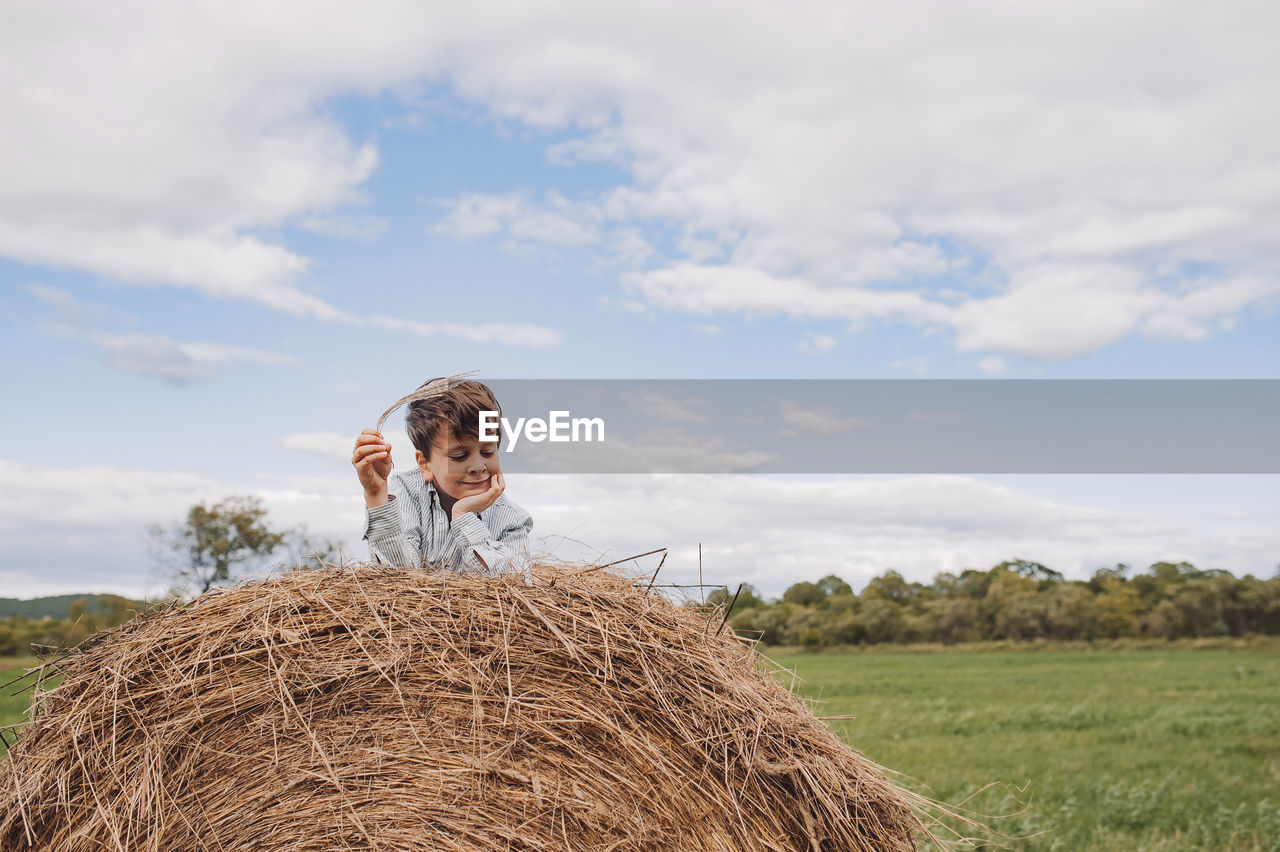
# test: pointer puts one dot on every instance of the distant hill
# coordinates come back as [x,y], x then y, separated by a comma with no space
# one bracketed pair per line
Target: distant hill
[58,605]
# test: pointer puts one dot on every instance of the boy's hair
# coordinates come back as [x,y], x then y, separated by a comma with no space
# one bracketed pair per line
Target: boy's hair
[456,409]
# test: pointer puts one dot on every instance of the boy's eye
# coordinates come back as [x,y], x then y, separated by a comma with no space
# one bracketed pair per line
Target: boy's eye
[487,453]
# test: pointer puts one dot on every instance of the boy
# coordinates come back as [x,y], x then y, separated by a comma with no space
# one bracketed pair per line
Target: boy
[450,510]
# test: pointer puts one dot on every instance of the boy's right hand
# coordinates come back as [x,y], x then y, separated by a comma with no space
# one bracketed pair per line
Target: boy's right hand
[372,461]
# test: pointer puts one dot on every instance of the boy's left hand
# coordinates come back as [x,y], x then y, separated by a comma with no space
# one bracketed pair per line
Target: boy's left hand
[480,502]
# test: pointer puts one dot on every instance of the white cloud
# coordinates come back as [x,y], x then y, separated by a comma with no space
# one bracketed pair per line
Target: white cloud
[67,529]
[365,228]
[146,143]
[662,447]
[69,309]
[337,447]
[627,246]
[143,142]
[85,528]
[218,264]
[556,220]
[154,355]
[702,289]
[658,407]
[801,421]
[1057,311]
[815,342]
[1194,314]
[159,356]
[510,334]
[817,171]
[993,365]
[329,445]
[220,353]
[815,160]
[918,365]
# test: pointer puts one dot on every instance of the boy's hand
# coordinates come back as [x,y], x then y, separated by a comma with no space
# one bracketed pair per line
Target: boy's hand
[372,461]
[480,502]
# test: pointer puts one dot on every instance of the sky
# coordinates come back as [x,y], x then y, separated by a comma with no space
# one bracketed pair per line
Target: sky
[231,234]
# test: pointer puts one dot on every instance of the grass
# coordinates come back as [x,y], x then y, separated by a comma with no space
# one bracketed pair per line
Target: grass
[1090,750]
[13,699]
[1171,749]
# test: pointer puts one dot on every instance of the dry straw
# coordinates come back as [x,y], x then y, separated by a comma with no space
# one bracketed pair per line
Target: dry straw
[431,389]
[367,707]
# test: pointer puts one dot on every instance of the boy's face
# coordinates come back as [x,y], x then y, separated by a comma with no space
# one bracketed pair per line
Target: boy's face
[460,468]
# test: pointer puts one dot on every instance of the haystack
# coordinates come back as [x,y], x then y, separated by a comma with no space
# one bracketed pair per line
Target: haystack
[395,709]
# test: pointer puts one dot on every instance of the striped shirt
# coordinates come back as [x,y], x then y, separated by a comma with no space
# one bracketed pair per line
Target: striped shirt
[412,529]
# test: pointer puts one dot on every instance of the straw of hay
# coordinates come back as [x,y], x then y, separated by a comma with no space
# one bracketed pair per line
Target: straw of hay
[433,388]
[366,707]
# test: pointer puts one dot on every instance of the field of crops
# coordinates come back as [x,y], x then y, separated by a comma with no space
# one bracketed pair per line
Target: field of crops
[1088,750]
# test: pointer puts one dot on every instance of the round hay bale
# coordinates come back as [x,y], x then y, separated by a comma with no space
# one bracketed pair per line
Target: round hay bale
[374,708]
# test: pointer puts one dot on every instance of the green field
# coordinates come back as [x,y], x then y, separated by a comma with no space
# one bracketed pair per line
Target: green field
[1117,750]
[13,706]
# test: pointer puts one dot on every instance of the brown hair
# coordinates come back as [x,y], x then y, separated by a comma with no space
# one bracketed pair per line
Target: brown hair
[456,407]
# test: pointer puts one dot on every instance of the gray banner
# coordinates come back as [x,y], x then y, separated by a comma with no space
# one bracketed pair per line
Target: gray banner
[853,426]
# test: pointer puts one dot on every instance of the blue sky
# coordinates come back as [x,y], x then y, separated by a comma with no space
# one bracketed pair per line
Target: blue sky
[228,240]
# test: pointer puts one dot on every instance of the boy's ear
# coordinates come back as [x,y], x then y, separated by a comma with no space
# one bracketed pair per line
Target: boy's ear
[422,464]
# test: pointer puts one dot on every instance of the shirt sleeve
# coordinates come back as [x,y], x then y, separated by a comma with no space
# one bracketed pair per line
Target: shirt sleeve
[394,530]
[480,549]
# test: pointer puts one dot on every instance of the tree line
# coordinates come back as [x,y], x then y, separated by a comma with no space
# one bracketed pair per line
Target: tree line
[85,616]
[1015,600]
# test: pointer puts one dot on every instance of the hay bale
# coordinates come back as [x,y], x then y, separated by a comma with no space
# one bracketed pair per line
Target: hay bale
[373,708]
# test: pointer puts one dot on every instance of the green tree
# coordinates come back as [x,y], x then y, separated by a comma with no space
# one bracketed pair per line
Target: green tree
[216,544]
[881,620]
[116,610]
[1117,605]
[844,628]
[973,583]
[718,597]
[1174,572]
[804,627]
[833,585]
[804,594]
[951,619]
[747,598]
[1199,602]
[768,622]
[1071,612]
[1032,571]
[1022,616]
[1009,610]
[890,586]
